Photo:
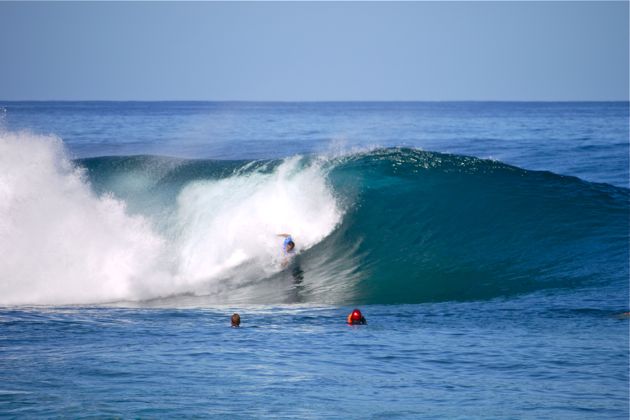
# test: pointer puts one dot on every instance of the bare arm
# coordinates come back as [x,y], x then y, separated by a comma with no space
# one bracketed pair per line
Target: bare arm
[284,235]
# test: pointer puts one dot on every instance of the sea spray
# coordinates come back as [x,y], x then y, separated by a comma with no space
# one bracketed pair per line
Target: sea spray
[226,223]
[62,242]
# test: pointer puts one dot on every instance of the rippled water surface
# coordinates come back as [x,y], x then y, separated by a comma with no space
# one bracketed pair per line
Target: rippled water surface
[491,359]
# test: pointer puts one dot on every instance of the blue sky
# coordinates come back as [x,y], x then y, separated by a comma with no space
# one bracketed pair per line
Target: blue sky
[282,51]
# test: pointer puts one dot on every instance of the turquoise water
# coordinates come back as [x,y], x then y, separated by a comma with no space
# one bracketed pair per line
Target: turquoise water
[492,287]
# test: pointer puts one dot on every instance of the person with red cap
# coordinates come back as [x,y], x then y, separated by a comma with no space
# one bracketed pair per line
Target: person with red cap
[356,318]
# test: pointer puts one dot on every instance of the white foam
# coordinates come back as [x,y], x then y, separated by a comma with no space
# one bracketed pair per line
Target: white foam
[225,223]
[60,243]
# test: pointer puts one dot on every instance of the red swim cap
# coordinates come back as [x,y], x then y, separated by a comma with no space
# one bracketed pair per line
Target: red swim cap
[356,315]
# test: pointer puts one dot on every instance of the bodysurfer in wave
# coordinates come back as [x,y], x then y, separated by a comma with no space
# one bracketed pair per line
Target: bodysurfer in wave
[289,256]
[288,248]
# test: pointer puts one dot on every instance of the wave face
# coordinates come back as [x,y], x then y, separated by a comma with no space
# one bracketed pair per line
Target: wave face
[381,226]
[442,227]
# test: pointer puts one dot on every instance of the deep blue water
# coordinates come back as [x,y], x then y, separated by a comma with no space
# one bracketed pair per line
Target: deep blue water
[480,359]
[585,139]
[486,243]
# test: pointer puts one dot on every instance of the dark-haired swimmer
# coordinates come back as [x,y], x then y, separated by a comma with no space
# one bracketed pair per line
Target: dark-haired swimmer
[356,318]
[236,321]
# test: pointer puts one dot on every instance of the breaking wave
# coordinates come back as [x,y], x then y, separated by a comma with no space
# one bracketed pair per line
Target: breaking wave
[379,226]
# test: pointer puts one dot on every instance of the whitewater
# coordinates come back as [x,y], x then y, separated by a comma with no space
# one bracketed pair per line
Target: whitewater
[63,243]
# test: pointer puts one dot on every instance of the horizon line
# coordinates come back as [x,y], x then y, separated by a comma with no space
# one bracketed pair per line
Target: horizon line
[321,101]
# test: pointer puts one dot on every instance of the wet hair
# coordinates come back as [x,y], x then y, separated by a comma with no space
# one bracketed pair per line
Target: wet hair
[236,320]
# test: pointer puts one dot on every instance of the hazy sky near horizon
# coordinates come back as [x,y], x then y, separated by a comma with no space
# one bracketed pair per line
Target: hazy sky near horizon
[293,51]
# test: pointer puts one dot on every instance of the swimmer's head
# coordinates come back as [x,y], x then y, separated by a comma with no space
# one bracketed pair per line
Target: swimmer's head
[356,318]
[236,320]
[290,246]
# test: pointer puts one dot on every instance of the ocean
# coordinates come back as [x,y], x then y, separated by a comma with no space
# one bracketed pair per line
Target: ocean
[486,243]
